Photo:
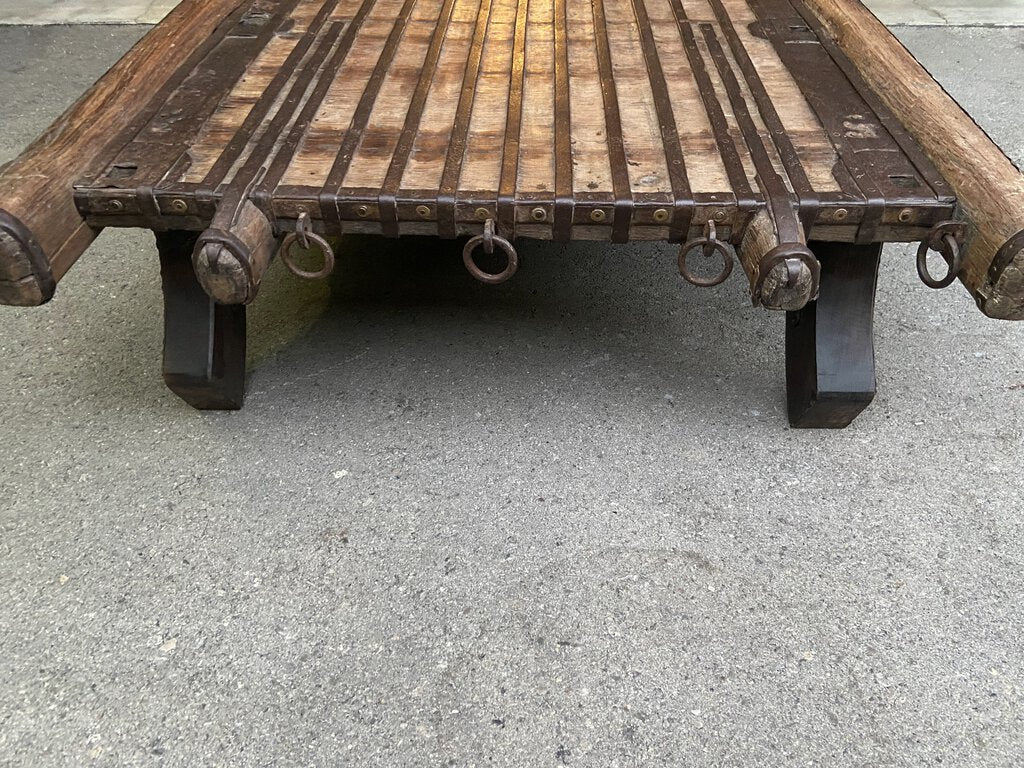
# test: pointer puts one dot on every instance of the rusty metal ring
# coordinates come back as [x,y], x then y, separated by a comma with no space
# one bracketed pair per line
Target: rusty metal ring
[488,240]
[710,244]
[325,248]
[950,250]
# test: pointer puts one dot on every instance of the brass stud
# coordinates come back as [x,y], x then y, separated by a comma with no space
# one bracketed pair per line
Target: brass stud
[840,214]
[363,211]
[661,215]
[116,205]
[597,215]
[906,215]
[179,206]
[482,214]
[538,214]
[422,211]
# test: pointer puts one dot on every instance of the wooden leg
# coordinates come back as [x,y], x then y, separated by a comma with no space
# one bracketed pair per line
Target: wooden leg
[830,355]
[204,342]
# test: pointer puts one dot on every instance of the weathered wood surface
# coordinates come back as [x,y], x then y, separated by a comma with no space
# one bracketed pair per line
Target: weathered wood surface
[568,119]
[987,184]
[231,256]
[41,231]
[789,282]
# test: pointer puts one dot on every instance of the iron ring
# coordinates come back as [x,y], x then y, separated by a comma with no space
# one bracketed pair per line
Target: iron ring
[710,245]
[325,248]
[950,250]
[488,239]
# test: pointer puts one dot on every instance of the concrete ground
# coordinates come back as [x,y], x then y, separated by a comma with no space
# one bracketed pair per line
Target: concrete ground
[917,12]
[560,522]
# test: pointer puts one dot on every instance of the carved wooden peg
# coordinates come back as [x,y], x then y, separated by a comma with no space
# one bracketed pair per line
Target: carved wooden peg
[783,275]
[231,256]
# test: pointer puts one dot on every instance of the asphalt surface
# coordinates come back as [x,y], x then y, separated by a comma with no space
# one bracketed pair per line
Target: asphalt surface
[560,522]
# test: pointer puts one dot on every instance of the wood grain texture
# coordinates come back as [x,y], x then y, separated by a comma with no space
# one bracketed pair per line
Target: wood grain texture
[778,288]
[989,187]
[232,256]
[36,187]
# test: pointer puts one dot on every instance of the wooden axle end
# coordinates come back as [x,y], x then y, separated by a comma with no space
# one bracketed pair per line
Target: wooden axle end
[790,283]
[783,276]
[26,279]
[1002,297]
[229,262]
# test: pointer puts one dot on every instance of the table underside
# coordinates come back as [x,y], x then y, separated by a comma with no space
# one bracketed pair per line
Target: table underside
[567,119]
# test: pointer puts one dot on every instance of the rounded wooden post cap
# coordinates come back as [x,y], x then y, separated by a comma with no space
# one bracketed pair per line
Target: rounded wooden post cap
[26,279]
[222,264]
[789,278]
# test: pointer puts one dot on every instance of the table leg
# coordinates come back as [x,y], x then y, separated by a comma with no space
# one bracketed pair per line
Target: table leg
[830,356]
[204,342]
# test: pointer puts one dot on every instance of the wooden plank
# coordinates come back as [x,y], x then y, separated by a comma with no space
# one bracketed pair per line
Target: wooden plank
[591,159]
[613,126]
[446,110]
[481,165]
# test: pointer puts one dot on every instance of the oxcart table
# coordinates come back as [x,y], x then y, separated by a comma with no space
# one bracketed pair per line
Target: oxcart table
[796,133]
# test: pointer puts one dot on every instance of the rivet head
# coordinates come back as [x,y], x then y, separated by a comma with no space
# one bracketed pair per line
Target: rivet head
[906,215]
[179,206]
[661,215]
[840,214]
[363,211]
[482,214]
[538,214]
[422,211]
[597,215]
[116,205]
[720,215]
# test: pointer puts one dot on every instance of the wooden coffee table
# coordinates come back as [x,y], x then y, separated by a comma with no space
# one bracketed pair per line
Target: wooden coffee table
[727,126]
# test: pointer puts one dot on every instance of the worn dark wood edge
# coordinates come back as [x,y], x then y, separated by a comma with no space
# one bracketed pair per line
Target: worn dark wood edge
[621,187]
[675,160]
[387,207]
[263,192]
[808,199]
[29,253]
[261,109]
[330,197]
[513,124]
[127,133]
[925,168]
[447,193]
[819,86]
[564,202]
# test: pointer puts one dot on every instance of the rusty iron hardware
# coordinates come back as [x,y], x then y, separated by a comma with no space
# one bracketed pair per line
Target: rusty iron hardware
[488,240]
[709,245]
[305,237]
[946,238]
